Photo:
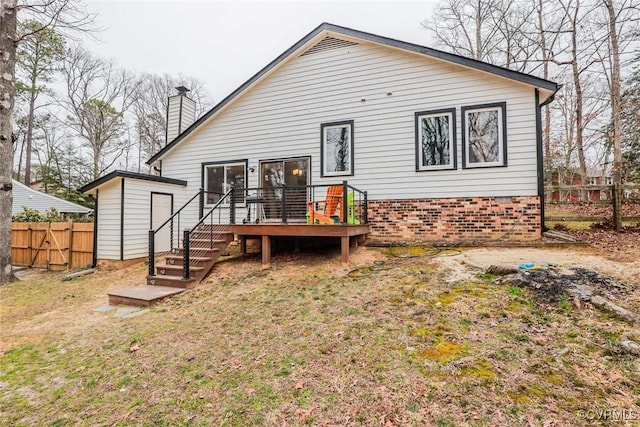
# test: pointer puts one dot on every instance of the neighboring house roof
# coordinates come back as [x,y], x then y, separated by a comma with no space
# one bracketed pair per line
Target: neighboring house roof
[325,29]
[126,174]
[33,199]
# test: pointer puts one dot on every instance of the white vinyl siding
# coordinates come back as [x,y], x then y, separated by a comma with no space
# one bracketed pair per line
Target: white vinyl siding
[380,89]
[137,213]
[137,216]
[109,220]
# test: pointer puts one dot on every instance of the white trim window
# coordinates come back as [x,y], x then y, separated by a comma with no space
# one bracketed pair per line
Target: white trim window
[219,178]
[336,157]
[436,140]
[484,136]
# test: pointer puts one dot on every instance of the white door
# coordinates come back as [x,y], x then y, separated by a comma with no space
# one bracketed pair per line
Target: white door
[161,210]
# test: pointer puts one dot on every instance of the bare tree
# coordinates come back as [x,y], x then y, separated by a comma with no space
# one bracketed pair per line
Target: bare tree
[466,27]
[545,34]
[98,96]
[37,57]
[494,31]
[150,108]
[66,15]
[578,55]
[620,18]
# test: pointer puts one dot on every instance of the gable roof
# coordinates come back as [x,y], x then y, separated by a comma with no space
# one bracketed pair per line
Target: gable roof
[126,174]
[326,28]
[33,199]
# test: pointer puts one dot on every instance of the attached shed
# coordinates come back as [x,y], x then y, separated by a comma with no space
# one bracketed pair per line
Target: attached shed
[128,204]
[25,196]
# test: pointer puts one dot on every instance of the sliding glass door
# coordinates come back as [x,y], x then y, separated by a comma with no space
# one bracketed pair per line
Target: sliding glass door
[285,178]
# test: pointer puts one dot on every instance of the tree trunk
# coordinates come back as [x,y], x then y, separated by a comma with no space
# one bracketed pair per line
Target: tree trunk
[579,102]
[8,22]
[547,109]
[478,54]
[615,100]
[32,104]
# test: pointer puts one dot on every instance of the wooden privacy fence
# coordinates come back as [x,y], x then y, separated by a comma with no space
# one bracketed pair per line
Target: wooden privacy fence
[56,246]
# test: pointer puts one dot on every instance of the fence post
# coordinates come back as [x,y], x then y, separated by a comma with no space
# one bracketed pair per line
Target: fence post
[152,254]
[48,240]
[617,206]
[30,239]
[185,257]
[70,245]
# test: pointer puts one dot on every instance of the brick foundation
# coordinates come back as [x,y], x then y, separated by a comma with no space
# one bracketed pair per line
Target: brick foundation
[455,220]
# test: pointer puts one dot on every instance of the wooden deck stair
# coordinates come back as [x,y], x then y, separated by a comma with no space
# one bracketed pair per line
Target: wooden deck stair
[203,253]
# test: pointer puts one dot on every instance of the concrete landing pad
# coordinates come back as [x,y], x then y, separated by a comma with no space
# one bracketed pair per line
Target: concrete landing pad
[141,296]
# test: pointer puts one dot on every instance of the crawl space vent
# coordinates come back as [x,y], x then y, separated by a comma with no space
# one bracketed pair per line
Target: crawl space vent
[328,43]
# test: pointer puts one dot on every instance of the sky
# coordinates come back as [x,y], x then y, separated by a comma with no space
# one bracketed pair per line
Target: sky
[224,43]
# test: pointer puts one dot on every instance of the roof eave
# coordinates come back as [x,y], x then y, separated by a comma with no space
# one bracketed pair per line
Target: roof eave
[349,32]
[132,175]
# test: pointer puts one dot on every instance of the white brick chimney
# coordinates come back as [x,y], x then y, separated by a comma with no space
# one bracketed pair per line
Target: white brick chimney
[181,113]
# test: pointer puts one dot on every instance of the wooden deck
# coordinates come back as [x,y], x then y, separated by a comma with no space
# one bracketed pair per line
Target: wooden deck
[347,234]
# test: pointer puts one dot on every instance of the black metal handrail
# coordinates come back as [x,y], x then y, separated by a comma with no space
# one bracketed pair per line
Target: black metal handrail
[174,219]
[216,206]
[284,202]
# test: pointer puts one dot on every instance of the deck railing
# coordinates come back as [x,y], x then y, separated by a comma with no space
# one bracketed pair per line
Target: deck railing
[280,204]
[168,237]
[295,203]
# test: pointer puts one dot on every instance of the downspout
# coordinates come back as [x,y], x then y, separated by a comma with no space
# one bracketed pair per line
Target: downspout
[122,220]
[95,232]
[539,150]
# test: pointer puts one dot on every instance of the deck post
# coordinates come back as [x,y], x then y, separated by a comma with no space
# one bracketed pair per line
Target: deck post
[344,248]
[365,214]
[266,251]
[201,203]
[152,253]
[185,256]
[345,203]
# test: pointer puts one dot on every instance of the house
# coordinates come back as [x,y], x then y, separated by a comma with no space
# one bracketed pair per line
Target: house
[23,196]
[434,146]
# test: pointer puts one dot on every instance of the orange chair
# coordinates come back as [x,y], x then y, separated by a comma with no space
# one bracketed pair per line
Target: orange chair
[332,203]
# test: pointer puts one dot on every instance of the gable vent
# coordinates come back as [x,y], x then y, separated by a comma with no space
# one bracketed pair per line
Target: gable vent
[328,43]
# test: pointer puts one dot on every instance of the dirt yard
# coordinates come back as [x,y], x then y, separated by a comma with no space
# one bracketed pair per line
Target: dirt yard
[409,336]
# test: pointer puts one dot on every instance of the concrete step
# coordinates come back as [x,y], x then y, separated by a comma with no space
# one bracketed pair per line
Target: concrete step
[142,296]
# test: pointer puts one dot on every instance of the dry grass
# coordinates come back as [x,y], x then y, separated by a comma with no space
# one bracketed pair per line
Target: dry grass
[305,343]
